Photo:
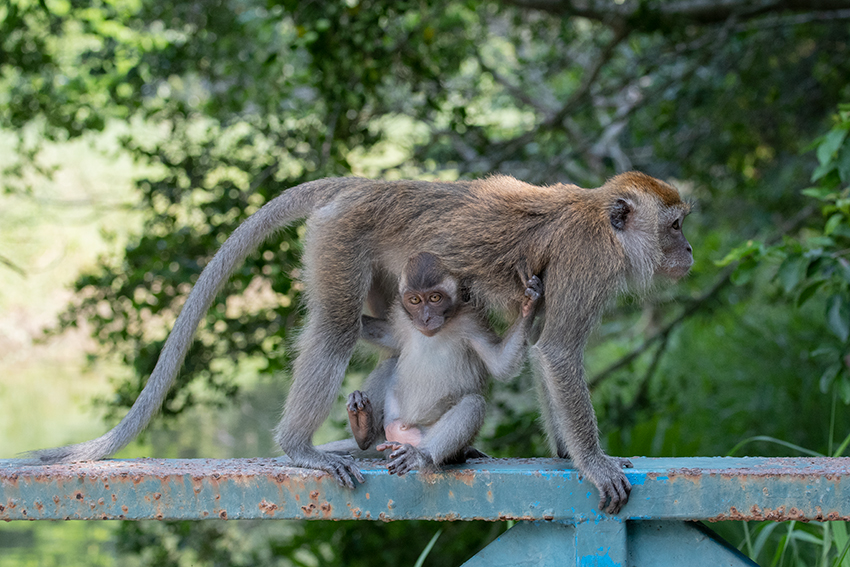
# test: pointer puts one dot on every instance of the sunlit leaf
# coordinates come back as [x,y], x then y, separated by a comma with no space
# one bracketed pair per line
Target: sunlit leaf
[750,248]
[833,223]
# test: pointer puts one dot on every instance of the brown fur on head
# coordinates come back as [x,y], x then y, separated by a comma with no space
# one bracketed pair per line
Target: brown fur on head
[647,215]
[425,271]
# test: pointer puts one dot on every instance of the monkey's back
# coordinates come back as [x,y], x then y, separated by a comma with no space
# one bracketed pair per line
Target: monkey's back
[481,230]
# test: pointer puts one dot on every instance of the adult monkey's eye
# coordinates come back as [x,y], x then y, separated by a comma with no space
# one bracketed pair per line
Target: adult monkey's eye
[677,224]
[414,299]
[435,298]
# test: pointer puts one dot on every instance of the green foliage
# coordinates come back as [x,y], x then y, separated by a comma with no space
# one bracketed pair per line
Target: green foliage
[814,264]
[307,544]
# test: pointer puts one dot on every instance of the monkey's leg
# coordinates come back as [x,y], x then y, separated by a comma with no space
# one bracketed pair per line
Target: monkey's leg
[334,305]
[317,375]
[367,425]
[473,453]
[450,435]
[574,423]
[553,435]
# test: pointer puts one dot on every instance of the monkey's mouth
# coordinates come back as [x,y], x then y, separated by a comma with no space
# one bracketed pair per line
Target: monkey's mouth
[430,329]
[676,272]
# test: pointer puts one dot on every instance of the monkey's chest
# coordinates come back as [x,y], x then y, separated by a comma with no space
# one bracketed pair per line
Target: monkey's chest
[433,375]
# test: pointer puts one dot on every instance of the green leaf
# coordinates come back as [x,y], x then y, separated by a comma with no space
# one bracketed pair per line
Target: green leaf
[820,193]
[827,352]
[844,268]
[792,272]
[828,377]
[844,389]
[817,242]
[741,252]
[808,292]
[830,144]
[821,171]
[843,163]
[839,530]
[833,223]
[838,316]
[744,272]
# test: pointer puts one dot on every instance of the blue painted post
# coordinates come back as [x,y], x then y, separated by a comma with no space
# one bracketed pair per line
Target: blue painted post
[540,543]
[601,543]
[595,544]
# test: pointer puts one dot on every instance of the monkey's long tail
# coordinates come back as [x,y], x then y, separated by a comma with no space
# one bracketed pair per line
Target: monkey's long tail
[295,203]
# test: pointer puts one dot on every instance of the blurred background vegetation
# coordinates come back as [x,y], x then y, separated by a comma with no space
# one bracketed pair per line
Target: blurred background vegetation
[137,134]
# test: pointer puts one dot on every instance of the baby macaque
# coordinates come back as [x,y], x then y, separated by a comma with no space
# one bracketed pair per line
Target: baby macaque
[425,403]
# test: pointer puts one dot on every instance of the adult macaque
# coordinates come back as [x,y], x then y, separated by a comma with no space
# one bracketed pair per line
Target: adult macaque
[587,245]
[425,403]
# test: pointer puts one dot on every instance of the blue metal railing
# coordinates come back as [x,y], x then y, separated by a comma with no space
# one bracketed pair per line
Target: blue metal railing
[559,521]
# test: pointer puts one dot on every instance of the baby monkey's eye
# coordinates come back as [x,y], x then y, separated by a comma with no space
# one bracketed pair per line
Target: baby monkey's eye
[414,299]
[435,298]
[677,224]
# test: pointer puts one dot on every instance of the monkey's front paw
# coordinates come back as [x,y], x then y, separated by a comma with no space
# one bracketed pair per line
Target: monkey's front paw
[609,478]
[405,458]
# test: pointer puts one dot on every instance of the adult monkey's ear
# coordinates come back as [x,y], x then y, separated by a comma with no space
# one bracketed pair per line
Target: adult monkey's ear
[619,213]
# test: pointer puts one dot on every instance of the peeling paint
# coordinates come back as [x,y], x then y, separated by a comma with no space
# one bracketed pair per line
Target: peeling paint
[500,489]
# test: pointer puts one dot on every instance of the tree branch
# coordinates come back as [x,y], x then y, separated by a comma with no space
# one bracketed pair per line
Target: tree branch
[657,14]
[578,96]
[12,266]
[693,306]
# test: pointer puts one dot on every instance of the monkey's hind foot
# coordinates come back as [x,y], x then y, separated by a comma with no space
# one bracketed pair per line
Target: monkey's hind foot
[342,467]
[360,418]
[405,458]
[473,453]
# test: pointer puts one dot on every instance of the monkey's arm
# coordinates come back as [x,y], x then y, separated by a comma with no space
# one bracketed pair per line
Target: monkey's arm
[503,358]
[378,332]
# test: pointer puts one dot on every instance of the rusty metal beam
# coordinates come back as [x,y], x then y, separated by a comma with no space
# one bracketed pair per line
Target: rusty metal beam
[502,489]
